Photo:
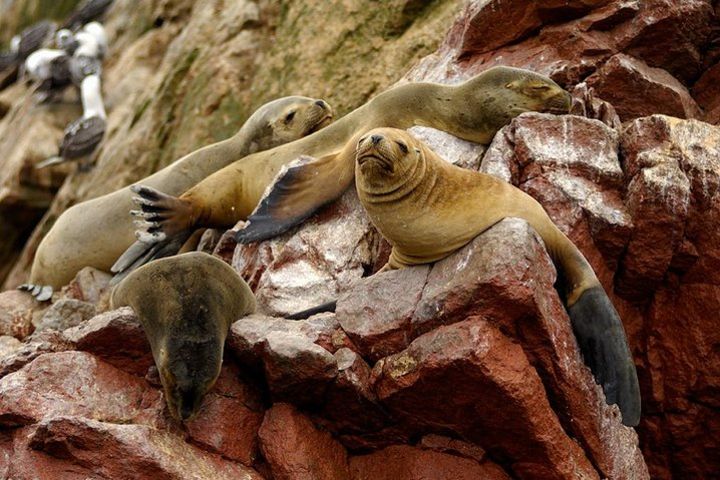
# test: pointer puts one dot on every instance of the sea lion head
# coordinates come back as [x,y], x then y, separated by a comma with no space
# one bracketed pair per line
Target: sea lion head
[188,368]
[387,158]
[287,119]
[501,94]
[186,304]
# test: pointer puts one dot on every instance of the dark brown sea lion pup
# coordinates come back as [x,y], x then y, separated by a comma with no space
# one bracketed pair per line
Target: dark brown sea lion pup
[428,208]
[313,171]
[71,244]
[186,304]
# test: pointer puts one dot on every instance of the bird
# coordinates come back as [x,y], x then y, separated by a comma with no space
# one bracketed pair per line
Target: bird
[84,134]
[87,11]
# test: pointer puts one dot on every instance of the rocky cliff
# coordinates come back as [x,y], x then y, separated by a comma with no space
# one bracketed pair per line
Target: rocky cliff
[464,369]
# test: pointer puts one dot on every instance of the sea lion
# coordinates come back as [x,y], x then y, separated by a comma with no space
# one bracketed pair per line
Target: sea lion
[315,170]
[186,305]
[96,232]
[428,208]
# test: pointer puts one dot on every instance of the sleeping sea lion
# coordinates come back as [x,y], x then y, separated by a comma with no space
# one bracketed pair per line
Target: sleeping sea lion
[313,171]
[428,208]
[96,232]
[186,304]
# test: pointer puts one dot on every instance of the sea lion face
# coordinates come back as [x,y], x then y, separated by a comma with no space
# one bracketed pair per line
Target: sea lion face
[385,156]
[534,92]
[493,98]
[291,118]
[188,370]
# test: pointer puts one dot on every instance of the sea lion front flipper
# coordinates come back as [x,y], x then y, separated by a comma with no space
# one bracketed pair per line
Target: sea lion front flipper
[602,341]
[160,233]
[302,187]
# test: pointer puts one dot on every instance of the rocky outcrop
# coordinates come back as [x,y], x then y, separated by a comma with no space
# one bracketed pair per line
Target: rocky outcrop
[464,369]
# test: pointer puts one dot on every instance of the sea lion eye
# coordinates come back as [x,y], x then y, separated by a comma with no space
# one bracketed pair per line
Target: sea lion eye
[289,117]
[540,88]
[402,146]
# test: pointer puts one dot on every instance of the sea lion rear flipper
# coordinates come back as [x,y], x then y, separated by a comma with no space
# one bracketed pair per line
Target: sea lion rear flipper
[301,187]
[42,293]
[322,308]
[602,341]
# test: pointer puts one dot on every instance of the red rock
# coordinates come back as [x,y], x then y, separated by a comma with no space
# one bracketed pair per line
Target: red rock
[77,448]
[351,407]
[586,104]
[497,398]
[8,346]
[116,337]
[376,314]
[571,166]
[707,94]
[37,344]
[403,462]
[637,90]
[304,268]
[237,438]
[669,35]
[66,313]
[16,313]
[452,446]
[485,26]
[295,367]
[226,426]
[89,285]
[75,384]
[296,450]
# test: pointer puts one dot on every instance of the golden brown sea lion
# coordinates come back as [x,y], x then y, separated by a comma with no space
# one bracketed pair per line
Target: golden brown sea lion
[186,304]
[428,208]
[317,169]
[96,232]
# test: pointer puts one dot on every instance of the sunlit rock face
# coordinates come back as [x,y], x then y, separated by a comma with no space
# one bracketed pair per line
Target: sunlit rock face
[467,368]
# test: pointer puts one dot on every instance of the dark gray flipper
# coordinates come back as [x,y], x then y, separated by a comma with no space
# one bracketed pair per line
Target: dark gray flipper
[601,337]
[325,307]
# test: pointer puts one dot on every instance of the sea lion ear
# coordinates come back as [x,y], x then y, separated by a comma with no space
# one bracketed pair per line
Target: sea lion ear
[512,85]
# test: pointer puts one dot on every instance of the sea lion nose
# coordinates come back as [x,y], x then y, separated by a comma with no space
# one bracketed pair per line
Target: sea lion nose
[376,139]
[321,104]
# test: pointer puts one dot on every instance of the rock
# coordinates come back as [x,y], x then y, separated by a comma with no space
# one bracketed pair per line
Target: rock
[706,92]
[66,313]
[296,450]
[491,24]
[637,90]
[16,313]
[452,446]
[229,418]
[89,448]
[570,165]
[403,462]
[350,405]
[311,266]
[586,104]
[295,367]
[376,314]
[89,285]
[496,399]
[8,346]
[37,344]
[76,384]
[116,337]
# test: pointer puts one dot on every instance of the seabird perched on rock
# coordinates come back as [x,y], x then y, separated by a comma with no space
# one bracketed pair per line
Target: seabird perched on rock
[52,69]
[91,40]
[84,134]
[9,58]
[87,11]
[34,37]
